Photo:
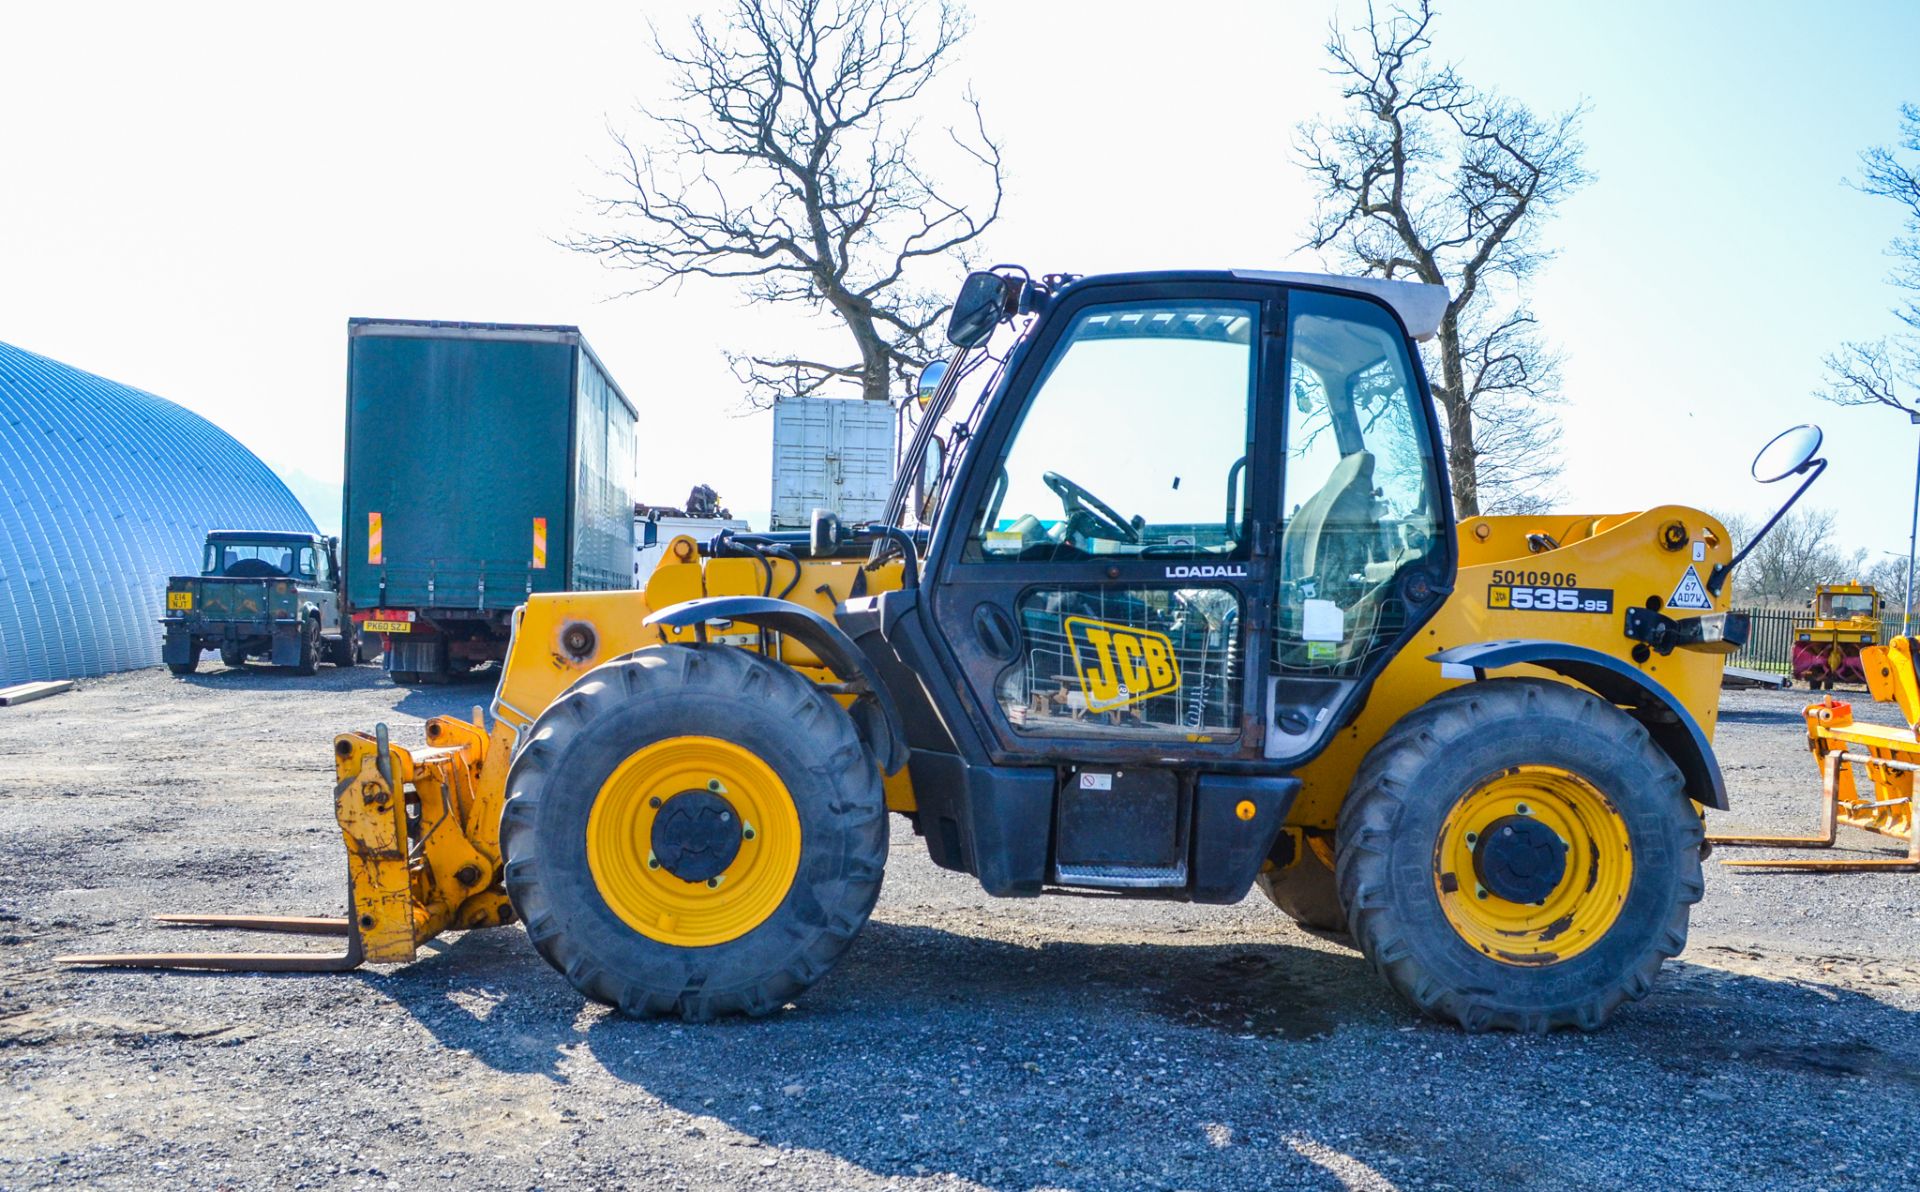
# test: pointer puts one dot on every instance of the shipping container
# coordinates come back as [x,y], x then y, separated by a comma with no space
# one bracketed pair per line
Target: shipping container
[485,462]
[834,454]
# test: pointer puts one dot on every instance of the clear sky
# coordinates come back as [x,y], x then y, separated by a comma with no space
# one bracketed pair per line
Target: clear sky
[194,199]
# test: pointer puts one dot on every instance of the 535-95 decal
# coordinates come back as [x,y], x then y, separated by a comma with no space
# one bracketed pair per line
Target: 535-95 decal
[1546,592]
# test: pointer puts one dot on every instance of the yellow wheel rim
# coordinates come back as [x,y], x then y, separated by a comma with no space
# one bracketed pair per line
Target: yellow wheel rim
[647,894]
[1533,866]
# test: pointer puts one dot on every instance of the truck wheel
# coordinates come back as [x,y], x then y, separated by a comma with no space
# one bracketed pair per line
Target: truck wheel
[1306,892]
[694,831]
[192,663]
[309,648]
[233,656]
[341,650]
[1517,854]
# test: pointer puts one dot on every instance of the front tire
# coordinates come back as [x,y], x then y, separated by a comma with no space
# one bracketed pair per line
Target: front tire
[1519,855]
[619,857]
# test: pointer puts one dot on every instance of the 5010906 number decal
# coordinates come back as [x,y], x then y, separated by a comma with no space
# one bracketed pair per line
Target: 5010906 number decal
[1550,598]
[1548,579]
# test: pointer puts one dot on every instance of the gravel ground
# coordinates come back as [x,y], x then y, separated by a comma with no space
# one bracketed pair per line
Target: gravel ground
[963,1042]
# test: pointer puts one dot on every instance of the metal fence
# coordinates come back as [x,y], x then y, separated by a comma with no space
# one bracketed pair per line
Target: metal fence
[1770,644]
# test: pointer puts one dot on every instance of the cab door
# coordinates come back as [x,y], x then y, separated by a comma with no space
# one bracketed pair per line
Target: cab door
[1098,573]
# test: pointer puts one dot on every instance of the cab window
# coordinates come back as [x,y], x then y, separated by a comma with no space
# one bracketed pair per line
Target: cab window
[1360,494]
[1133,442]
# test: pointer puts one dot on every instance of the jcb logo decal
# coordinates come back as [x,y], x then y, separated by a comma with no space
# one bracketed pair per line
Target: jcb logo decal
[1120,665]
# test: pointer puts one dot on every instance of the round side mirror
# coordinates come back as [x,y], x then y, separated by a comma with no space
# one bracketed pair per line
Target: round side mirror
[929,382]
[1788,453]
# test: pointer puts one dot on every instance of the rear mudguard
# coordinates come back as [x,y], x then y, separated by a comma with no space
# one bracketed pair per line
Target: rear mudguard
[1666,719]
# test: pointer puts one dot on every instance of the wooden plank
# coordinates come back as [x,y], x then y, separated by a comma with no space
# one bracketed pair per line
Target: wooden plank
[27,692]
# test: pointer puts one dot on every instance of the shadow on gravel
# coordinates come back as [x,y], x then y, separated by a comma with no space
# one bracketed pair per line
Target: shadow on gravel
[1097,1065]
[1766,716]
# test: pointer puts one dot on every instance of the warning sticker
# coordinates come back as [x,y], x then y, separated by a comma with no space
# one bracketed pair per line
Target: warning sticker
[1690,592]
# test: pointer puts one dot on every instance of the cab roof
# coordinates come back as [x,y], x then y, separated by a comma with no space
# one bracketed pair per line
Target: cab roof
[290,537]
[1419,305]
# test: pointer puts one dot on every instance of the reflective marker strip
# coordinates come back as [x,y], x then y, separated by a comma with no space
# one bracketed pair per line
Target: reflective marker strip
[373,539]
[539,543]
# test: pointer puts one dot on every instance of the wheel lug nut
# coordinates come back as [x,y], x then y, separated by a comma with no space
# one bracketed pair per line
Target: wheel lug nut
[654,802]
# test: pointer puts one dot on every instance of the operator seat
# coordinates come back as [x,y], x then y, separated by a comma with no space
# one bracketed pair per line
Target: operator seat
[1331,522]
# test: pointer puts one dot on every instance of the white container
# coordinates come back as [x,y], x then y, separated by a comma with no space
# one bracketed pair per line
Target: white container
[831,453]
[651,535]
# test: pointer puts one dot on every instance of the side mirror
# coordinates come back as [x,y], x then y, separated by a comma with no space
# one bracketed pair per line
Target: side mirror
[1792,452]
[977,310]
[824,535]
[1787,454]
[926,482]
[929,382]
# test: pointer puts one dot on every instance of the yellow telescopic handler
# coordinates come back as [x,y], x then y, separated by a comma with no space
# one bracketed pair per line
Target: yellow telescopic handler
[1171,601]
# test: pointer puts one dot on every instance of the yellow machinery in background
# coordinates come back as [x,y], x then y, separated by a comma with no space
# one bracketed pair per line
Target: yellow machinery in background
[1846,622]
[1481,747]
[1889,756]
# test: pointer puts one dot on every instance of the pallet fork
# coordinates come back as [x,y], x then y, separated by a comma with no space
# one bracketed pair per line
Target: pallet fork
[419,837]
[1890,757]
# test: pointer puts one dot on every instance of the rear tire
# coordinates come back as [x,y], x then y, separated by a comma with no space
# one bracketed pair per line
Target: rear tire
[310,646]
[192,663]
[1307,893]
[233,657]
[565,787]
[1626,880]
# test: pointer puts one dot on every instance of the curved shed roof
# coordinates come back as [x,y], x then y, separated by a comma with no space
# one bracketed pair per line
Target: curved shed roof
[105,491]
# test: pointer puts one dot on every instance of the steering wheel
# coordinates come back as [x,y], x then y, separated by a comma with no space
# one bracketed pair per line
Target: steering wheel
[1078,501]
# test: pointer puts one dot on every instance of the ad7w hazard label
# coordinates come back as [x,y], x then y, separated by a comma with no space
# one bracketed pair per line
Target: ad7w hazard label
[1690,592]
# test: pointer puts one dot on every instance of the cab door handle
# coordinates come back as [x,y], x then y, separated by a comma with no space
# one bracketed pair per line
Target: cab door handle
[995,630]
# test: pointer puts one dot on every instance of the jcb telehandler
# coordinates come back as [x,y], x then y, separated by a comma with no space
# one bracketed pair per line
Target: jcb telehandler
[1171,601]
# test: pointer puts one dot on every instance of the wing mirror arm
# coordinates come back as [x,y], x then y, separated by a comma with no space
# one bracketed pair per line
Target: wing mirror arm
[1718,578]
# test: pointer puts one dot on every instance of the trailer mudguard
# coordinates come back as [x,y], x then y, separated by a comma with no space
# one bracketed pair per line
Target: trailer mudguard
[1672,727]
[873,710]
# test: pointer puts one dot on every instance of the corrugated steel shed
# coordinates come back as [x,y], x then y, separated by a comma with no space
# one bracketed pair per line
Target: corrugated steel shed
[105,491]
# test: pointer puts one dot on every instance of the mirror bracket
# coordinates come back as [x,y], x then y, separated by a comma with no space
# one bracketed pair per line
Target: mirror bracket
[1717,579]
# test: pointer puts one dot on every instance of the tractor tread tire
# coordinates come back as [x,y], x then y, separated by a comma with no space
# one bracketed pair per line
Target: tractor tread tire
[1392,805]
[652,695]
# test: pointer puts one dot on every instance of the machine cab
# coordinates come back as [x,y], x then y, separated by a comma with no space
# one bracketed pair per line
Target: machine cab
[1200,510]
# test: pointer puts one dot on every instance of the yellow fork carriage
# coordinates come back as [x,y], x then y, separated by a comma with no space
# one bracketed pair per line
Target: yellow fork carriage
[1247,644]
[1888,755]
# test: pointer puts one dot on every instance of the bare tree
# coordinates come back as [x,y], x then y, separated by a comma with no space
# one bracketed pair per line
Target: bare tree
[1797,554]
[1882,372]
[785,162]
[1428,178]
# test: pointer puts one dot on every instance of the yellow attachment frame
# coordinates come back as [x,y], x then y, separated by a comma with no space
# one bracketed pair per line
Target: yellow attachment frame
[1890,757]
[422,846]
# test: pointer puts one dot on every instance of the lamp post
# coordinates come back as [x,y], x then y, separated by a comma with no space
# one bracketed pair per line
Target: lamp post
[1913,533]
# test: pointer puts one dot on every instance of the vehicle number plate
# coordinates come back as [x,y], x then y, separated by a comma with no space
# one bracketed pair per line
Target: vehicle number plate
[180,600]
[386,626]
[1550,600]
